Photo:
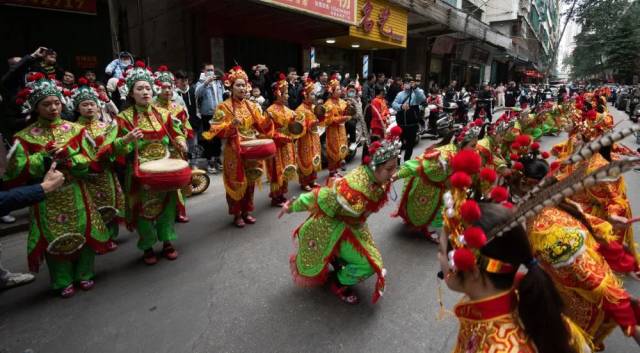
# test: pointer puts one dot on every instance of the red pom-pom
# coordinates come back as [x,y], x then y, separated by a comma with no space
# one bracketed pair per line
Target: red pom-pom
[523,140]
[366,160]
[82,81]
[515,146]
[591,115]
[475,237]
[464,259]
[24,93]
[121,82]
[396,131]
[66,93]
[489,175]
[507,205]
[35,76]
[470,211]
[478,122]
[499,194]
[555,165]
[460,180]
[518,166]
[467,161]
[514,157]
[163,68]
[545,155]
[374,147]
[20,101]
[140,63]
[281,77]
[535,146]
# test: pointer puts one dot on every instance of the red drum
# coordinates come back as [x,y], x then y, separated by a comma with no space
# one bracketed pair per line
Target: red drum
[163,174]
[258,149]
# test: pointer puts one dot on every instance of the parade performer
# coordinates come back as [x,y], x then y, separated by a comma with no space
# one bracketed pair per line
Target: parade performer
[238,120]
[286,127]
[336,233]
[168,99]
[101,181]
[379,114]
[150,210]
[65,228]
[336,115]
[502,311]
[308,145]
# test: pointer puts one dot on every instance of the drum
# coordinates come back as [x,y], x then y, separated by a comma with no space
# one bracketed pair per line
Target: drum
[257,149]
[66,246]
[166,174]
[107,213]
[319,111]
[295,128]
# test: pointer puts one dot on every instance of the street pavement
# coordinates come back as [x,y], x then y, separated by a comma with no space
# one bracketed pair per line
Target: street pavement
[230,291]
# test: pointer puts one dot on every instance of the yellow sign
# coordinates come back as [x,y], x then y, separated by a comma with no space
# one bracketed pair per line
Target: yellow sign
[379,21]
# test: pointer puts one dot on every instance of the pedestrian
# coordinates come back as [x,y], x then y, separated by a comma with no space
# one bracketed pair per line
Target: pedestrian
[101,182]
[511,95]
[188,94]
[119,65]
[336,115]
[356,123]
[256,97]
[68,80]
[209,91]
[108,110]
[295,89]
[368,90]
[149,133]
[394,88]
[282,168]
[407,105]
[308,145]
[500,93]
[238,118]
[436,104]
[65,228]
[322,92]
[336,232]
[90,75]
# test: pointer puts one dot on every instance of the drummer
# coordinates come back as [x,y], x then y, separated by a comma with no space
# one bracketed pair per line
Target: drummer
[237,120]
[65,223]
[151,213]
[169,100]
[308,146]
[102,182]
[334,120]
[282,167]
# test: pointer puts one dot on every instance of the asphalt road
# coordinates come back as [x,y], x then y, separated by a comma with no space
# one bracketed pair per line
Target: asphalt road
[230,291]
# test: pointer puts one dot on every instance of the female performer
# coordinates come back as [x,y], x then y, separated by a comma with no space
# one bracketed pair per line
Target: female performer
[336,233]
[102,182]
[152,213]
[65,228]
[308,145]
[236,120]
[335,117]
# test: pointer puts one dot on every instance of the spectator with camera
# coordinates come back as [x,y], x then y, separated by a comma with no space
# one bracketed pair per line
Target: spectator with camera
[209,93]
[407,104]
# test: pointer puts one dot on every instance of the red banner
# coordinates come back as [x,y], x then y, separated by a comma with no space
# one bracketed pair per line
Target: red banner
[80,6]
[337,10]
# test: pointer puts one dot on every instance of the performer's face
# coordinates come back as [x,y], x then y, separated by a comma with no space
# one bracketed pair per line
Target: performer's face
[283,96]
[337,92]
[385,171]
[49,107]
[167,91]
[142,93]
[88,108]
[310,98]
[239,89]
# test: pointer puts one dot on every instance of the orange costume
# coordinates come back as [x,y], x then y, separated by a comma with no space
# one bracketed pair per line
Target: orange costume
[334,119]
[239,175]
[308,145]
[282,167]
[593,296]
[379,117]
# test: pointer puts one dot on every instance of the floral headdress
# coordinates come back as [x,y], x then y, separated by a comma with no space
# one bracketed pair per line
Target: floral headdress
[280,85]
[163,75]
[138,72]
[382,151]
[236,73]
[37,88]
[505,123]
[471,131]
[470,184]
[524,149]
[592,124]
[309,87]
[333,83]
[83,92]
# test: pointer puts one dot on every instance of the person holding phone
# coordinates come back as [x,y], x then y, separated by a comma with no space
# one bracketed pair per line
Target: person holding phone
[209,93]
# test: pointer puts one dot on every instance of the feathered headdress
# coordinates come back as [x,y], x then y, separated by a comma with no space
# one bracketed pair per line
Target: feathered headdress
[84,92]
[524,149]
[37,88]
[136,73]
[382,151]
[234,74]
[471,131]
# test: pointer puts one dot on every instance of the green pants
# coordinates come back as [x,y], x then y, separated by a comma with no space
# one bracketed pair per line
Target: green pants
[63,273]
[160,229]
[356,267]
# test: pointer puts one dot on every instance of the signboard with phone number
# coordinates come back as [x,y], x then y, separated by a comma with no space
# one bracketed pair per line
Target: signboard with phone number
[337,10]
[79,6]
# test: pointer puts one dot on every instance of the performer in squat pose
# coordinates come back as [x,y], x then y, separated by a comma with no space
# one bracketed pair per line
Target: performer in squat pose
[336,233]
[237,120]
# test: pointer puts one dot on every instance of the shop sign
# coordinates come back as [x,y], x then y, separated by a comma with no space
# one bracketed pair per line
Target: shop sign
[382,22]
[533,73]
[337,10]
[85,62]
[79,6]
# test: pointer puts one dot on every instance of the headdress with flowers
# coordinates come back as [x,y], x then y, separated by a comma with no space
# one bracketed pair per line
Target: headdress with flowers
[382,151]
[471,131]
[592,124]
[280,85]
[333,83]
[37,88]
[163,75]
[234,74]
[524,149]
[504,124]
[309,87]
[138,72]
[82,92]
[470,184]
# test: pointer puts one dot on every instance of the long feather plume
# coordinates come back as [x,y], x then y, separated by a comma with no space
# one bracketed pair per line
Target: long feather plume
[588,150]
[553,194]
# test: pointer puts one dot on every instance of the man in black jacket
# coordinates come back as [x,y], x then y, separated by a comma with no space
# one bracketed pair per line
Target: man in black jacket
[295,89]
[188,94]
[511,95]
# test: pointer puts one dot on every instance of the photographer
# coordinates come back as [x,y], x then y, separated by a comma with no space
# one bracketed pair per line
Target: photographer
[209,91]
[295,89]
[407,104]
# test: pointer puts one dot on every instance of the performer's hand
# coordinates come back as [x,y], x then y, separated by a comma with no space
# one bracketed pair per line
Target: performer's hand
[619,221]
[183,147]
[394,177]
[286,208]
[133,135]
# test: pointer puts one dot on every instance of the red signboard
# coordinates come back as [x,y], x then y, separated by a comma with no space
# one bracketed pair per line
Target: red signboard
[85,62]
[80,6]
[337,10]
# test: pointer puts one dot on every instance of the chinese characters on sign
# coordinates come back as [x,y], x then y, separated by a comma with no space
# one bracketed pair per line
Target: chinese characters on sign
[85,62]
[367,22]
[337,10]
[80,6]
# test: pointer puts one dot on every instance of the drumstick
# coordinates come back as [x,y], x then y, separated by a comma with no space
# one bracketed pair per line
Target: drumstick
[633,220]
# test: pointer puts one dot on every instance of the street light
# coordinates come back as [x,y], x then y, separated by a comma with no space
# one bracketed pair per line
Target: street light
[355,45]
[330,40]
